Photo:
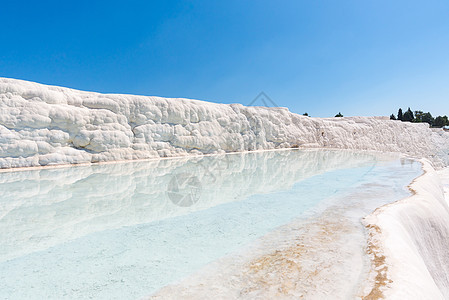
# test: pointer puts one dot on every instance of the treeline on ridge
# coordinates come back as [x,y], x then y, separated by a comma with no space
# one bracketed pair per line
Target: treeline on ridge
[419,116]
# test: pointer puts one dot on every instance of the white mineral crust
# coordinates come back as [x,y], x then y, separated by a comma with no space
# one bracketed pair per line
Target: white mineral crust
[47,125]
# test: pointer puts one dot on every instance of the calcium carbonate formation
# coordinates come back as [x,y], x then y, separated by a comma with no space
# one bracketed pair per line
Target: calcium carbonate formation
[48,125]
[408,242]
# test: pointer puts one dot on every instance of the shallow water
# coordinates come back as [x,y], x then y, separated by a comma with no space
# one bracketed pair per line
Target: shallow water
[123,231]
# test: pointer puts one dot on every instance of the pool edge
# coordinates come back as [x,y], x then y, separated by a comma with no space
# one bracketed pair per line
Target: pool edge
[397,269]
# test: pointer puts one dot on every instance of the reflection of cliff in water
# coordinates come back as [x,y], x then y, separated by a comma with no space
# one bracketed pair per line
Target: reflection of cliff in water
[41,208]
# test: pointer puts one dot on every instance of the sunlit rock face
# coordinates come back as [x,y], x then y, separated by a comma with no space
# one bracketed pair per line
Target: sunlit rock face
[46,125]
[412,237]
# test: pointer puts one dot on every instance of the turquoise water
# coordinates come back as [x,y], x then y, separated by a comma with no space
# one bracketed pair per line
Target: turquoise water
[122,231]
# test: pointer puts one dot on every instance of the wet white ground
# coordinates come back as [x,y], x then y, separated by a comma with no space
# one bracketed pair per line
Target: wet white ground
[319,257]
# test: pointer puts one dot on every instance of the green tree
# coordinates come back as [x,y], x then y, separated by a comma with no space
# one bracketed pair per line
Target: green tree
[392,117]
[400,114]
[418,116]
[441,121]
[427,118]
[408,116]
[339,115]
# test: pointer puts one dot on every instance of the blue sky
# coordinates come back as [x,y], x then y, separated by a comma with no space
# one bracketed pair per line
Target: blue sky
[320,57]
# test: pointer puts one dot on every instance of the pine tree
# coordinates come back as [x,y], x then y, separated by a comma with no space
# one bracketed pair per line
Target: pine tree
[400,116]
[339,115]
[419,115]
[392,117]
[441,121]
[427,118]
[408,116]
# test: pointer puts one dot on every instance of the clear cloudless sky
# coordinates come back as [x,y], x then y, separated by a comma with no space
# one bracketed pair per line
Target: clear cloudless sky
[359,57]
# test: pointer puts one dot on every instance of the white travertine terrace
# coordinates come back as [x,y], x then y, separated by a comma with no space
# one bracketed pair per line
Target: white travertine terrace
[47,125]
[409,241]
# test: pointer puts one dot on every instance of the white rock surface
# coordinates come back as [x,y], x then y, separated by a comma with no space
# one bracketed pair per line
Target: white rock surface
[409,241]
[48,125]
